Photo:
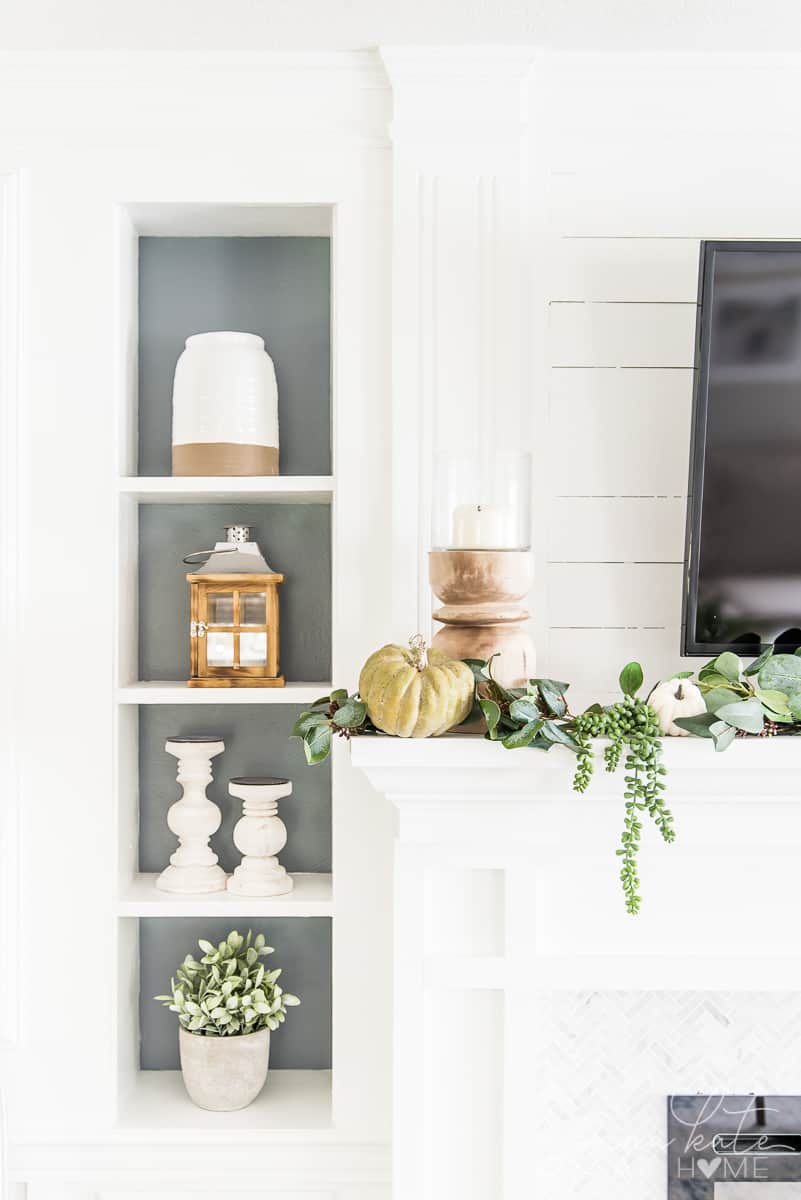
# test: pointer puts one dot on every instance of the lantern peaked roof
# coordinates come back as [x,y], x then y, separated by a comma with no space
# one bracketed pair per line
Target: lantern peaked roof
[240,558]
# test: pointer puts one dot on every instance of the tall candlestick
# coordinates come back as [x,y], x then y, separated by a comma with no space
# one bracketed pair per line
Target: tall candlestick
[194,868]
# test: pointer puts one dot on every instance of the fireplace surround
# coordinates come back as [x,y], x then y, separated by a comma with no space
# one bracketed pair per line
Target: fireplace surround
[522,988]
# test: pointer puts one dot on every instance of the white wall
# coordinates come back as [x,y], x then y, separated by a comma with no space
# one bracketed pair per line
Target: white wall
[347,24]
[646,155]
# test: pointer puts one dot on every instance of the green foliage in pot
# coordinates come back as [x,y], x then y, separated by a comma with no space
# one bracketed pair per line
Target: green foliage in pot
[229,991]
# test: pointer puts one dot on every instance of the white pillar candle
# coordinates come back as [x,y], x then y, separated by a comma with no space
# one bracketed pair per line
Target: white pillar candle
[483,527]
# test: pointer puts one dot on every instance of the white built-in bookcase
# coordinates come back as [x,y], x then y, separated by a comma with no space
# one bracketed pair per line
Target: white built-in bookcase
[298,1100]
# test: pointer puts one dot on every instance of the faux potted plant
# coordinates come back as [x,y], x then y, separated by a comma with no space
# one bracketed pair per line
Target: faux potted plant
[228,1004]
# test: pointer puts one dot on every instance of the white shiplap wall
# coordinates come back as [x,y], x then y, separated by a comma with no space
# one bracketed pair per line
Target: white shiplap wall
[646,155]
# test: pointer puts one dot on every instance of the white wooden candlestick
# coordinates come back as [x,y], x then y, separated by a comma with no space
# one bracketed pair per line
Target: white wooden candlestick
[193,819]
[260,834]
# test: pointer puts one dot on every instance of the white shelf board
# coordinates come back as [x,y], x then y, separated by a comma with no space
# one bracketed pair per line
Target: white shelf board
[272,489]
[290,1100]
[312,896]
[165,691]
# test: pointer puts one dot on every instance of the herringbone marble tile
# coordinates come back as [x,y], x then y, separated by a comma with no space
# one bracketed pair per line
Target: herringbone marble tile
[604,1062]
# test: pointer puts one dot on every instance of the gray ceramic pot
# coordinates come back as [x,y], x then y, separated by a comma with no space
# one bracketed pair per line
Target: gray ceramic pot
[224,1073]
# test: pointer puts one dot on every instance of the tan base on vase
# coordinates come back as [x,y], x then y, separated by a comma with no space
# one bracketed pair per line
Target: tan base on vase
[482,614]
[224,458]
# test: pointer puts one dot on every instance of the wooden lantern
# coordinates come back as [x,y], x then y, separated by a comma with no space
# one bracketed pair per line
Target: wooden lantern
[234,620]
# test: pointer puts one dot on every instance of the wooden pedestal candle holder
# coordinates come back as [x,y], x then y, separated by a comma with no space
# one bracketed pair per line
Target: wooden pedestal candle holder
[482,614]
[260,834]
[193,868]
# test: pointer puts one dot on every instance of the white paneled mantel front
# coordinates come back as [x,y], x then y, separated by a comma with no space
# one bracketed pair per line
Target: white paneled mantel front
[507,889]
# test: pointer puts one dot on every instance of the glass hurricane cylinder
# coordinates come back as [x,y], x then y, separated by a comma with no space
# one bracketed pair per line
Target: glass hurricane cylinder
[482,502]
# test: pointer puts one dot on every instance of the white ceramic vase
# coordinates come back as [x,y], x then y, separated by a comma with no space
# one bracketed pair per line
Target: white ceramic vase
[224,407]
[224,1073]
[260,834]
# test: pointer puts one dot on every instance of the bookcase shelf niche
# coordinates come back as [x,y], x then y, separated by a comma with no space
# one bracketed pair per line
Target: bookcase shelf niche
[184,269]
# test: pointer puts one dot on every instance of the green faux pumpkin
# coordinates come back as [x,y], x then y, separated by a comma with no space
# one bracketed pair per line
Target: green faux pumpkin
[415,692]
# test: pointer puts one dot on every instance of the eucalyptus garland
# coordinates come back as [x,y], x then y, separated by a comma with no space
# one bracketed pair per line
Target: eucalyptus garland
[762,700]
[537,716]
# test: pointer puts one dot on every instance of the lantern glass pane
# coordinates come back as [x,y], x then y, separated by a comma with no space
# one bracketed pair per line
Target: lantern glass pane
[219,649]
[253,649]
[253,608]
[221,608]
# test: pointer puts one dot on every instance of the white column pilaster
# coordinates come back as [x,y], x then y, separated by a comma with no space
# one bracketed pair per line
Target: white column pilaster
[460,269]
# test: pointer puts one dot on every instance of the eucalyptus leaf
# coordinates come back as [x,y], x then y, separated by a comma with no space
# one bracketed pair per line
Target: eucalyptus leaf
[682,675]
[717,697]
[724,738]
[795,706]
[729,666]
[524,709]
[317,744]
[756,666]
[523,737]
[712,679]
[492,715]
[553,696]
[307,721]
[700,725]
[339,695]
[743,714]
[479,668]
[350,715]
[775,701]
[556,685]
[781,672]
[555,733]
[631,679]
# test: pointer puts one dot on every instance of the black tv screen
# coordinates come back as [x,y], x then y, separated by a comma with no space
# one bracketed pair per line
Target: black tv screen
[743,552]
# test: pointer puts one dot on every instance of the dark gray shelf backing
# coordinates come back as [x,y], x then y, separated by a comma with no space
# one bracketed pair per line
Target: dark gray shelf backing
[302,950]
[256,743]
[294,538]
[277,287]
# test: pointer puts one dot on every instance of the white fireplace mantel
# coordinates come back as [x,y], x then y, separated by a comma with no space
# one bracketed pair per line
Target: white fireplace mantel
[506,884]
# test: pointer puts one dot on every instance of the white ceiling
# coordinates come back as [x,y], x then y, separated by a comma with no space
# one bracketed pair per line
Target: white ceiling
[348,24]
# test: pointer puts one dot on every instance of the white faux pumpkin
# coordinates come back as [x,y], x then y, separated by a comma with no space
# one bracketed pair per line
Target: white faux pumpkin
[676,698]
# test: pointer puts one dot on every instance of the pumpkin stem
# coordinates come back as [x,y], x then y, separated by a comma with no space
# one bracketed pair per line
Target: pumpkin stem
[417,645]
[679,693]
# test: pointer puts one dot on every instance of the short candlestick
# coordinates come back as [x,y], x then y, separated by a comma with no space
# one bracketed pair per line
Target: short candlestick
[260,834]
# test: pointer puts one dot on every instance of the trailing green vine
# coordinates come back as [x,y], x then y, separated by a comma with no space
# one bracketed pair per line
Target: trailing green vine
[538,715]
[633,728]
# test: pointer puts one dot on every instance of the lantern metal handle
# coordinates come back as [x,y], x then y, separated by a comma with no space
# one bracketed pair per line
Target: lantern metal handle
[199,556]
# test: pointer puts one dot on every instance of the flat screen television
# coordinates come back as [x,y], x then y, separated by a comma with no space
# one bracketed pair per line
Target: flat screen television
[743,545]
